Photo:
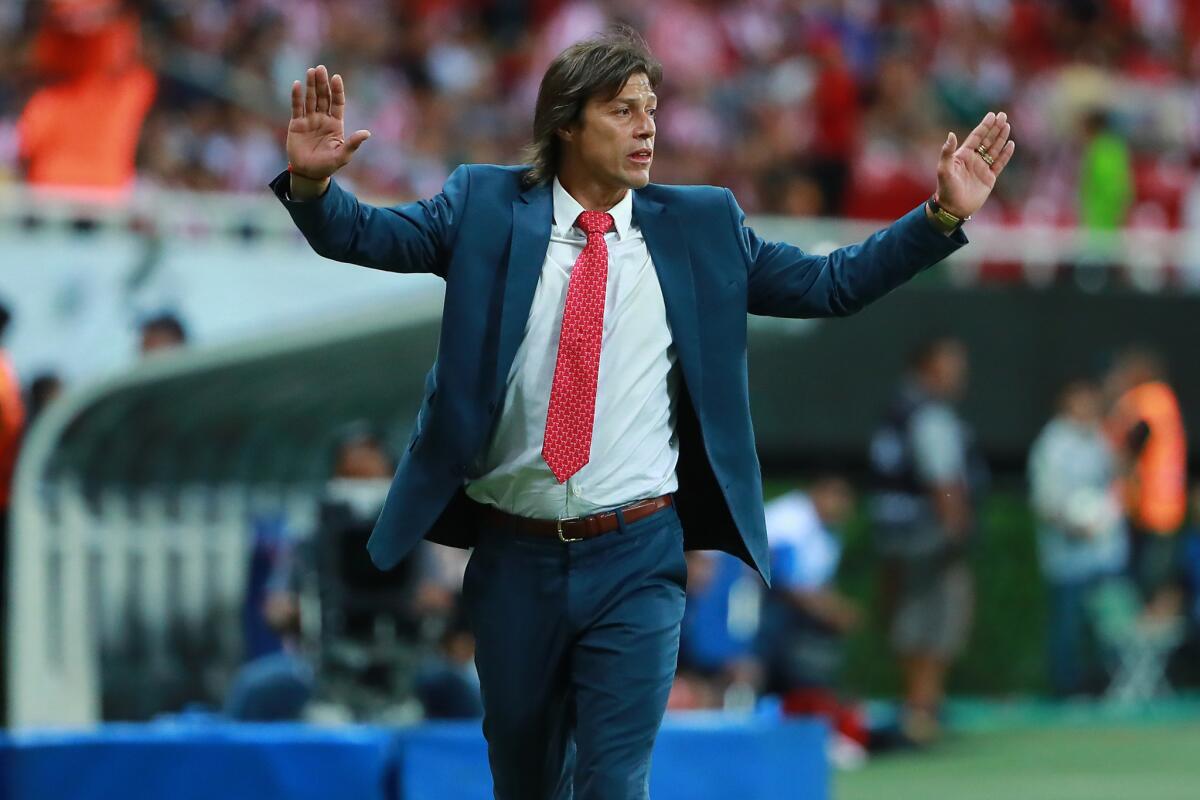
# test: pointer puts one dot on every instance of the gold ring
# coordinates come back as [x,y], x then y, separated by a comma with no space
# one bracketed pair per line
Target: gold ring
[983,153]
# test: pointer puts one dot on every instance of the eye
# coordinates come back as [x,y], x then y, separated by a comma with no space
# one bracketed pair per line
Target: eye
[653,112]
[623,111]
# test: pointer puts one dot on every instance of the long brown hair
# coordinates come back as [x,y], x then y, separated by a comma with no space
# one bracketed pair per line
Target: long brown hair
[597,66]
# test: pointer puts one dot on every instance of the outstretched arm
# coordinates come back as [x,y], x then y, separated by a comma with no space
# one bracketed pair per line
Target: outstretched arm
[784,281]
[415,237]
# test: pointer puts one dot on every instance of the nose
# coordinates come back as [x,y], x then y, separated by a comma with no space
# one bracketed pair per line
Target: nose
[645,128]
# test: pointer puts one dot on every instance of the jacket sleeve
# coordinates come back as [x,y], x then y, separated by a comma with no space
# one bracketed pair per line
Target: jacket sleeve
[414,237]
[784,281]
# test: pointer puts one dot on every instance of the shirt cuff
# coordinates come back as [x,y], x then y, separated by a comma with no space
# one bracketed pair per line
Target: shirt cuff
[307,214]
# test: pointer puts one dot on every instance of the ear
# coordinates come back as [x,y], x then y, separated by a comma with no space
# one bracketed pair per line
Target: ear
[566,134]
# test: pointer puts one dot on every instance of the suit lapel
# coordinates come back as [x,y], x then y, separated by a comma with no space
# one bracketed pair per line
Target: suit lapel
[668,249]
[532,214]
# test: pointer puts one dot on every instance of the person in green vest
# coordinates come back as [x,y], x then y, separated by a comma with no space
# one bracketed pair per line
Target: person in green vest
[1105,175]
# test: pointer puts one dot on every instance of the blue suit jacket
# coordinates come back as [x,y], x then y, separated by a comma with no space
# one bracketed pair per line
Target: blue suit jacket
[486,234]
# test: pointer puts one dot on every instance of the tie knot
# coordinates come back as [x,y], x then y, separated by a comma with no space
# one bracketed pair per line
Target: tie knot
[590,222]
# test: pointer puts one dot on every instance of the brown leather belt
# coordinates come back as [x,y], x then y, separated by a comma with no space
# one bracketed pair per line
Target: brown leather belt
[576,529]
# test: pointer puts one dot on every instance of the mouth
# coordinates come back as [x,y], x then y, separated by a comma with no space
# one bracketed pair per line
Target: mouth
[643,156]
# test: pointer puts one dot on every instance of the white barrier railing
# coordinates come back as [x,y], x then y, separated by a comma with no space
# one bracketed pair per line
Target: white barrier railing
[86,579]
[88,574]
[1146,252]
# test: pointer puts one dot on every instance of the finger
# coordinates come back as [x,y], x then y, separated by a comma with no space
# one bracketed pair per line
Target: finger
[322,89]
[353,143]
[948,147]
[297,100]
[991,138]
[997,144]
[310,91]
[974,139]
[338,105]
[1005,156]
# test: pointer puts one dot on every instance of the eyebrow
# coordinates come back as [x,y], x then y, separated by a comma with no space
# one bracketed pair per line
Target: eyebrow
[632,101]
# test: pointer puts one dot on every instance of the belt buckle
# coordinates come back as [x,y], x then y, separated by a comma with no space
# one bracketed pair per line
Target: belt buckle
[558,528]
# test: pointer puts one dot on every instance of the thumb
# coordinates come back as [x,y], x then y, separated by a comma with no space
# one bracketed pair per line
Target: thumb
[950,145]
[354,142]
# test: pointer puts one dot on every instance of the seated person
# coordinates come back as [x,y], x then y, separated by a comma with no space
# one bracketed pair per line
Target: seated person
[805,617]
[717,667]
[330,607]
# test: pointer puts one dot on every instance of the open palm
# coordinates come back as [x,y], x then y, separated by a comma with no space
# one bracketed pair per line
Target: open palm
[964,176]
[317,145]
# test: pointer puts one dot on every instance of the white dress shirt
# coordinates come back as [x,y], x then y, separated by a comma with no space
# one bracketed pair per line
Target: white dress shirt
[634,448]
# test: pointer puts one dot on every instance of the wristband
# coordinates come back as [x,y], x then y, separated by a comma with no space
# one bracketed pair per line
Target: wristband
[952,222]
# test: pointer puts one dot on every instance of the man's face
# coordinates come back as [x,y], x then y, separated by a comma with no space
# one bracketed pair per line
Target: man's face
[948,372]
[613,143]
[834,501]
[156,338]
[1084,405]
[362,460]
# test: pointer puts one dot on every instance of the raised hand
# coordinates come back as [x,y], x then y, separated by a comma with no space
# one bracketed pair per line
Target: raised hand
[966,176]
[317,145]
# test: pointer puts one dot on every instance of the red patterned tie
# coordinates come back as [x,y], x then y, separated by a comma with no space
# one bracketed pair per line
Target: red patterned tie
[567,445]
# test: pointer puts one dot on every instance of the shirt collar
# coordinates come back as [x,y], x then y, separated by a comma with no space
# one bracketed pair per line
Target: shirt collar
[567,210]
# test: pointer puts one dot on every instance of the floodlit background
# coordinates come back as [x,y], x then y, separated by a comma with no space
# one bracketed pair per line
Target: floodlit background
[204,414]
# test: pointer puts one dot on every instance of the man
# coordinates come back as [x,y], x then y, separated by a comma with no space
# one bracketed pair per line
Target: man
[162,333]
[352,599]
[1080,533]
[589,401]
[1146,428]
[805,617]
[922,516]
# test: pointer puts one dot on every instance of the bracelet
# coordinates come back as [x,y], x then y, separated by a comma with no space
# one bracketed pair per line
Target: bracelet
[292,171]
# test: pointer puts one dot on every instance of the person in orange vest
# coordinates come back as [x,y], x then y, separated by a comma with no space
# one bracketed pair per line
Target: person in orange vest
[81,125]
[1147,431]
[12,422]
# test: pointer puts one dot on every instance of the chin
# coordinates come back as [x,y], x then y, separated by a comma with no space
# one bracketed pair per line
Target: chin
[639,179]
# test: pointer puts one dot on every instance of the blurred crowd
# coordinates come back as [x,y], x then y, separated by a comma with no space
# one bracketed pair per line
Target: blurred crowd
[831,107]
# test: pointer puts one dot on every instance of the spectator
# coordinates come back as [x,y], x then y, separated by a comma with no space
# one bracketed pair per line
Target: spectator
[1080,529]
[447,684]
[805,618]
[1147,431]
[836,107]
[279,685]
[12,415]
[718,667]
[43,390]
[162,333]
[12,425]
[87,56]
[1186,663]
[1105,176]
[923,517]
[804,615]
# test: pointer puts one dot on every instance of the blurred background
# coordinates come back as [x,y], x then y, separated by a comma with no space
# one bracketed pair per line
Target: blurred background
[983,530]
